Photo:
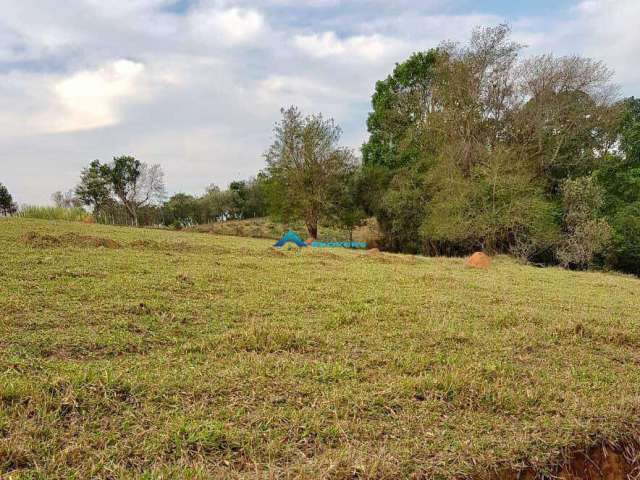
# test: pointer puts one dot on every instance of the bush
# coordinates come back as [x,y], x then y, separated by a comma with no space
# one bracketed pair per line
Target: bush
[76,214]
[587,234]
[626,240]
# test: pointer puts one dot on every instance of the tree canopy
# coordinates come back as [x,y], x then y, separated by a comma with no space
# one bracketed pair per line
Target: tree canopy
[133,183]
[473,147]
[305,165]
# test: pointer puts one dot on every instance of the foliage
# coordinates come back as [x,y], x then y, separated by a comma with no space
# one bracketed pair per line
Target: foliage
[620,180]
[67,199]
[182,354]
[247,198]
[497,207]
[630,130]
[181,209]
[477,144]
[586,232]
[304,166]
[7,205]
[402,211]
[346,208]
[625,255]
[133,183]
[94,189]
[400,102]
[73,214]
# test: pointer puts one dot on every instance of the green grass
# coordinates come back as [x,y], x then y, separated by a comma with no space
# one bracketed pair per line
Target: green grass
[155,354]
[76,214]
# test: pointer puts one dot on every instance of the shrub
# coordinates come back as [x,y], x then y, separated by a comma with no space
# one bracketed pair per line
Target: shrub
[76,214]
[626,240]
[587,234]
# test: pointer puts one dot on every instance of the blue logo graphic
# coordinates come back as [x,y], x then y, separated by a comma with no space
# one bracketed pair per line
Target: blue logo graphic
[292,237]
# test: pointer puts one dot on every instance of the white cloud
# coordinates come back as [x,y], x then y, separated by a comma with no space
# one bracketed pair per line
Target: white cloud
[90,99]
[232,26]
[371,48]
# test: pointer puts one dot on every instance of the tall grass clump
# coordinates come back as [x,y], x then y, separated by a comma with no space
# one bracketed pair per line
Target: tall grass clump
[75,214]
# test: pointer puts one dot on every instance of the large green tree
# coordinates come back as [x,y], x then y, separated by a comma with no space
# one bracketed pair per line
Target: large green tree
[400,104]
[304,165]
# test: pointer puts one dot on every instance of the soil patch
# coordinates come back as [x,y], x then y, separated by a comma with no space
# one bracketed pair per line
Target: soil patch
[604,462]
[35,239]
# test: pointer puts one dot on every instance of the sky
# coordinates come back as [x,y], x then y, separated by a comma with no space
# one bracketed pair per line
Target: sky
[197,85]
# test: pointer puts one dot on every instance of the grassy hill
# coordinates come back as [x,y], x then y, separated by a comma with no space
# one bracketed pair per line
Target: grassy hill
[130,353]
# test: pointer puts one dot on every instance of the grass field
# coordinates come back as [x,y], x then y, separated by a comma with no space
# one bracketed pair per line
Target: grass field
[130,353]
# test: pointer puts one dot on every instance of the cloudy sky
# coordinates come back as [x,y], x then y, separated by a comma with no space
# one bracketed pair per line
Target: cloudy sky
[196,85]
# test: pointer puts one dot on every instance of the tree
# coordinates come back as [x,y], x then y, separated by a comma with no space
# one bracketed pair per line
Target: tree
[620,179]
[181,209]
[304,164]
[400,103]
[215,204]
[7,205]
[630,130]
[66,199]
[94,189]
[587,232]
[347,206]
[470,146]
[247,198]
[136,184]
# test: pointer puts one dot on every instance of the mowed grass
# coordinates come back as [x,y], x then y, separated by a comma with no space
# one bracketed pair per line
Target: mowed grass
[182,355]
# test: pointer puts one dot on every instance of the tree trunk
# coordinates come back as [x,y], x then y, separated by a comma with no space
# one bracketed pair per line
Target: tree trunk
[312,227]
[132,212]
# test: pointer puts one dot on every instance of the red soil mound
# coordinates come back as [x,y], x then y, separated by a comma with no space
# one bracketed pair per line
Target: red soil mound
[478,260]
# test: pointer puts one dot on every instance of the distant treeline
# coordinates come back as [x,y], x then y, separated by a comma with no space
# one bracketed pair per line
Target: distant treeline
[243,199]
[471,147]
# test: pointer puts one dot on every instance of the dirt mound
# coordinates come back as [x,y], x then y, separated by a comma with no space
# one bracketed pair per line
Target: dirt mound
[39,240]
[478,260]
[35,239]
[373,251]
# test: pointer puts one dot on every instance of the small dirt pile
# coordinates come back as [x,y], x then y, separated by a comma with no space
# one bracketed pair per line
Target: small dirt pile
[478,260]
[39,240]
